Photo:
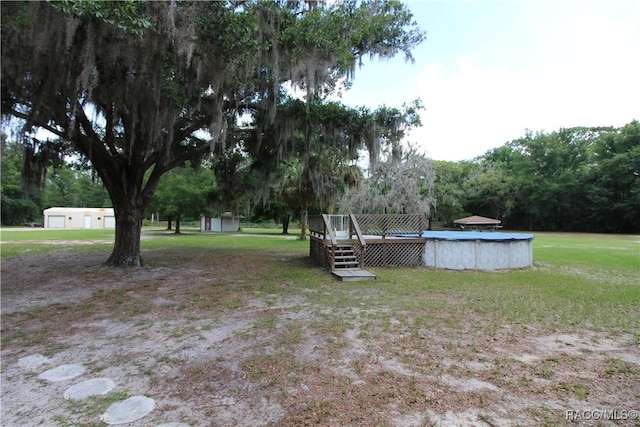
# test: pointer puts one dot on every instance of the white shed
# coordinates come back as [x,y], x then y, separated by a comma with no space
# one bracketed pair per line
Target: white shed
[79,218]
[225,222]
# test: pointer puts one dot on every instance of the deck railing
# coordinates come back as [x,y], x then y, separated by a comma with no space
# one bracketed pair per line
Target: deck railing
[385,225]
[317,226]
[328,231]
[369,224]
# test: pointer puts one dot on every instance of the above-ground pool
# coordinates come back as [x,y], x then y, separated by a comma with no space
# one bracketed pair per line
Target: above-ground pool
[475,250]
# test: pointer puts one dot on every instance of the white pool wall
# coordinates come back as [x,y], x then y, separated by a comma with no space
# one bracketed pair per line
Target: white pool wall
[483,253]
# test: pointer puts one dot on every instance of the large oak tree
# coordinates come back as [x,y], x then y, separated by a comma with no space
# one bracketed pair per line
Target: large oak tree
[139,88]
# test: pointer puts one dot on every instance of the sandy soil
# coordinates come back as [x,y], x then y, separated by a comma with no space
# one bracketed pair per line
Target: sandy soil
[216,341]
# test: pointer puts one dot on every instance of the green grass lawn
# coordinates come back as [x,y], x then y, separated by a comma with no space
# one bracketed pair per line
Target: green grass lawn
[38,241]
[35,235]
[577,279]
[608,251]
[585,280]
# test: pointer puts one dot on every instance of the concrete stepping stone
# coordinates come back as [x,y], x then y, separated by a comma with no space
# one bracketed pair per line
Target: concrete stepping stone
[33,361]
[128,410]
[61,373]
[92,387]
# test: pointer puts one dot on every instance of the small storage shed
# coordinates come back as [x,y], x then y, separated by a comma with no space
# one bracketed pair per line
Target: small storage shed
[226,221]
[59,217]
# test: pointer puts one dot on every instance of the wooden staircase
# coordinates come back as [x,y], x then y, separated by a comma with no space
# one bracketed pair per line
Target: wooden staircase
[346,265]
[339,254]
[345,257]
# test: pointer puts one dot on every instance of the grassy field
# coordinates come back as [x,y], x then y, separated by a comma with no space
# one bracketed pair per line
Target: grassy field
[539,339]
[581,280]
[576,278]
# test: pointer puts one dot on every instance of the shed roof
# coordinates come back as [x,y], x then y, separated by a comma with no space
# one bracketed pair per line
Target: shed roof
[477,220]
[58,209]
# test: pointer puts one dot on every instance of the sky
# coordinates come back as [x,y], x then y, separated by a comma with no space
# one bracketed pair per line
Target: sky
[491,70]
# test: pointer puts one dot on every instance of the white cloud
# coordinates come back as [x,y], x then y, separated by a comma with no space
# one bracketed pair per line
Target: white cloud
[470,110]
[477,108]
[582,72]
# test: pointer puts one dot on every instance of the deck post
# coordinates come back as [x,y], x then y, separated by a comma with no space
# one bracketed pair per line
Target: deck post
[329,231]
[333,257]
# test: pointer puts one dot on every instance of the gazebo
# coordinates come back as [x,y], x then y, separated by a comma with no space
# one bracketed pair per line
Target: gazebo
[476,222]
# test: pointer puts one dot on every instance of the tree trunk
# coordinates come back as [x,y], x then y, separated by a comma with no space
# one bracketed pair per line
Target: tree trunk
[332,206]
[126,250]
[285,224]
[304,218]
[177,225]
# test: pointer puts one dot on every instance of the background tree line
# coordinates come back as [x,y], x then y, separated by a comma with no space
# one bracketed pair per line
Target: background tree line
[575,179]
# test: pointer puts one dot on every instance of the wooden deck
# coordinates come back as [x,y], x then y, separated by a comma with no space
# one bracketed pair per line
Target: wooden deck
[353,274]
[347,243]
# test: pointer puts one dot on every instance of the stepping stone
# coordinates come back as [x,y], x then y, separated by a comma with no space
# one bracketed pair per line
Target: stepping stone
[93,387]
[61,373]
[128,410]
[33,361]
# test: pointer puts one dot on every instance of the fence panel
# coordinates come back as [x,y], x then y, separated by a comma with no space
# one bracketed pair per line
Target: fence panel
[384,225]
[394,253]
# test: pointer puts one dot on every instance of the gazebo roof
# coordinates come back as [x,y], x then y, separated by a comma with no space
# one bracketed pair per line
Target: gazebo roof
[477,220]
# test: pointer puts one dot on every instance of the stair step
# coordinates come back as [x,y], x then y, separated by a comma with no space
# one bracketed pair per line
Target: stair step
[351,274]
[345,258]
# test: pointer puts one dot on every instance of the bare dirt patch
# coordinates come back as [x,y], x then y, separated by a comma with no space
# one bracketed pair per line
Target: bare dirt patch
[219,341]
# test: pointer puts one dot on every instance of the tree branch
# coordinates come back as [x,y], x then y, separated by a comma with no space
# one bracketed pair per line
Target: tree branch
[89,142]
[45,126]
